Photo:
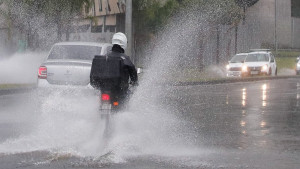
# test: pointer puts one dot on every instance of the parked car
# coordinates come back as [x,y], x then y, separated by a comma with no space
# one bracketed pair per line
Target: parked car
[260,62]
[298,66]
[234,67]
[69,63]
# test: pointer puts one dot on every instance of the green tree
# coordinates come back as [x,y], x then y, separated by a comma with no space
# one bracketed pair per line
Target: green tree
[28,16]
[5,15]
[224,12]
[245,3]
[18,16]
[63,12]
[149,16]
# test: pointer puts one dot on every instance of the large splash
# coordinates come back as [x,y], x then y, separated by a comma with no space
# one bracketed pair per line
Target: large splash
[69,121]
[21,68]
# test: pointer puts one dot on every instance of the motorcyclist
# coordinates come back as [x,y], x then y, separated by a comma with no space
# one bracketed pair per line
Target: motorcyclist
[128,70]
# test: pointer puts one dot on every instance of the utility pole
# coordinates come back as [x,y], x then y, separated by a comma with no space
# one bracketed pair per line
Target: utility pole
[293,32]
[276,40]
[128,28]
[218,45]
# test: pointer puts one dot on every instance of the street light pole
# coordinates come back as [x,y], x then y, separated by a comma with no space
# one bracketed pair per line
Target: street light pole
[276,40]
[128,27]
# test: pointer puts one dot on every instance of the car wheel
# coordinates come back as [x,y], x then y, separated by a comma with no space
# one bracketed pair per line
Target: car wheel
[270,72]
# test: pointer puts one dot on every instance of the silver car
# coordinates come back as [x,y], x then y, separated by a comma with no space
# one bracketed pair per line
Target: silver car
[69,63]
[259,63]
[234,67]
[298,66]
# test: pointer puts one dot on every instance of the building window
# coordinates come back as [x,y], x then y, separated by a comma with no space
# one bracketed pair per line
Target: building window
[96,29]
[100,5]
[110,28]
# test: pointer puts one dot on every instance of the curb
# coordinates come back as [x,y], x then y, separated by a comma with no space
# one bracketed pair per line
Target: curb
[208,82]
[231,80]
[9,91]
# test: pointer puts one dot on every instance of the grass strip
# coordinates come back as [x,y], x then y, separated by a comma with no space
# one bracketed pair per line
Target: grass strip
[15,86]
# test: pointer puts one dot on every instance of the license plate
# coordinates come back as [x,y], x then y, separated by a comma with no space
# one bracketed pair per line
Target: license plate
[236,73]
[105,107]
[254,72]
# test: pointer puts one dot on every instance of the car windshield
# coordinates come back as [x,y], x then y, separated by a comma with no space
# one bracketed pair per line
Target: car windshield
[257,58]
[74,52]
[238,58]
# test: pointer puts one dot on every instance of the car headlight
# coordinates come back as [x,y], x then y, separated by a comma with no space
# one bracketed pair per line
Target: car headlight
[264,68]
[245,68]
[227,67]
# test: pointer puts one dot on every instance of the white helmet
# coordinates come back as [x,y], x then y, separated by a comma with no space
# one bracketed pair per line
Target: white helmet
[120,39]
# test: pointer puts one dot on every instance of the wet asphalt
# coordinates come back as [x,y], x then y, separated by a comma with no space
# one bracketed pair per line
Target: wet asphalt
[231,125]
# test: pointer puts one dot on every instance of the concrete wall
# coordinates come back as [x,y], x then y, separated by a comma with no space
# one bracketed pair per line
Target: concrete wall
[258,30]
[284,23]
[296,33]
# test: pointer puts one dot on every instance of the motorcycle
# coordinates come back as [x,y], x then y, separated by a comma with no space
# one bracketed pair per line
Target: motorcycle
[111,103]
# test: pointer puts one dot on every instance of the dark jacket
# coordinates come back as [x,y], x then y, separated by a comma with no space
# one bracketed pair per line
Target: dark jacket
[129,70]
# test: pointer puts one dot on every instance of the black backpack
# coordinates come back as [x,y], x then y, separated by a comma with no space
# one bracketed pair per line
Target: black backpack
[106,72]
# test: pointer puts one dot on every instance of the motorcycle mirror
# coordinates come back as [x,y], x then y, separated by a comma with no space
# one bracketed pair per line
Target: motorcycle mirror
[139,70]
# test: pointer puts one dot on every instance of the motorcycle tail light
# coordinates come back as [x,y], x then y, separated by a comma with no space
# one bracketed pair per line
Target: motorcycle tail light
[105,97]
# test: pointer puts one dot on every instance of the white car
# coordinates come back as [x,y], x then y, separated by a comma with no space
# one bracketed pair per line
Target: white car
[259,63]
[298,66]
[234,67]
[69,63]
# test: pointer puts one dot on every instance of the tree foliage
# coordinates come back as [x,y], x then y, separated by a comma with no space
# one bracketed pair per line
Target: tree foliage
[29,16]
[62,12]
[150,15]
[245,3]
[224,12]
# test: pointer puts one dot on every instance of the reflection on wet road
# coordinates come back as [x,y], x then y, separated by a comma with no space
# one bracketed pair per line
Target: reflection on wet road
[259,113]
[239,125]
[261,118]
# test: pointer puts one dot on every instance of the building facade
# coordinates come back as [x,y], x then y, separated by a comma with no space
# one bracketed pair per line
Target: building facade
[100,21]
[267,24]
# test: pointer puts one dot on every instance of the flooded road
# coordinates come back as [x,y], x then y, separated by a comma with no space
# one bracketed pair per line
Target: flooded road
[238,125]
